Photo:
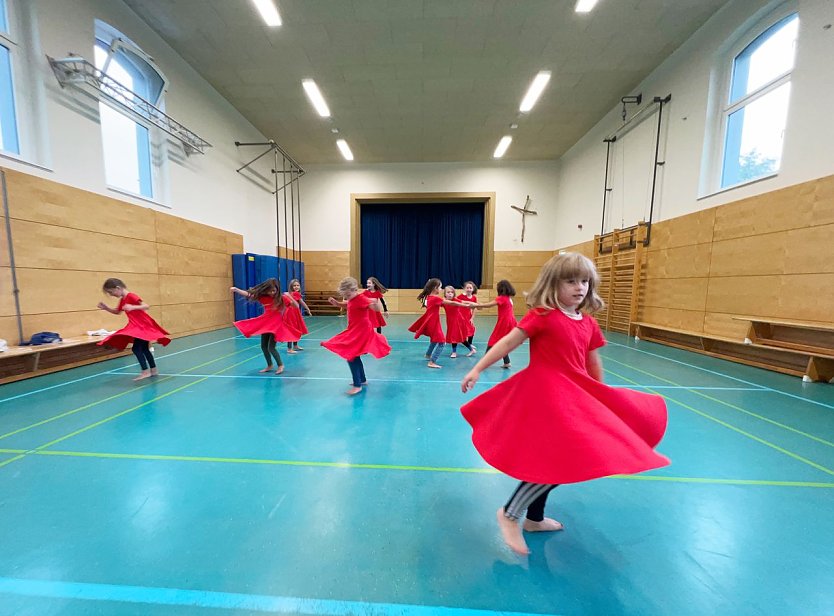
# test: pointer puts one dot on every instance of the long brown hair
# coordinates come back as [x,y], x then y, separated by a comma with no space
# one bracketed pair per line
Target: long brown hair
[566,266]
[505,288]
[431,285]
[474,287]
[378,286]
[259,290]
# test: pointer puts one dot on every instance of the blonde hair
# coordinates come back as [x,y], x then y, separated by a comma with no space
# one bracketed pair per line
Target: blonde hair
[448,288]
[348,285]
[565,267]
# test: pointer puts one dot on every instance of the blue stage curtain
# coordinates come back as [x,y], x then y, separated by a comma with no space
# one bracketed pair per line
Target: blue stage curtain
[404,245]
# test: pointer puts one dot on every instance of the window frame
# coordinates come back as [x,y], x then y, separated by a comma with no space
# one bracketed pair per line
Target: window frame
[10,41]
[720,107]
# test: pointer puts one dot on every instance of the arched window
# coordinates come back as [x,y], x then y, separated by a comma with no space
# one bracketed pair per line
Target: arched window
[128,163]
[754,109]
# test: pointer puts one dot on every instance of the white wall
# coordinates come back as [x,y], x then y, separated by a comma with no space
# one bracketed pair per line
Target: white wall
[203,188]
[326,190]
[686,75]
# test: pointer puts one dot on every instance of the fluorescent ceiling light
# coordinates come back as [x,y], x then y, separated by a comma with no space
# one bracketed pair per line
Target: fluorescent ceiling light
[585,6]
[534,91]
[268,11]
[502,146]
[344,149]
[316,98]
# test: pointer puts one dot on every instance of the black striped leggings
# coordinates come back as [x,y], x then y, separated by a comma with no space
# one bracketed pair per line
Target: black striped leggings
[530,497]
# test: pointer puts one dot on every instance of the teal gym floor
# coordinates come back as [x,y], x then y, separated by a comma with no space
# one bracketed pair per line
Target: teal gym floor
[215,490]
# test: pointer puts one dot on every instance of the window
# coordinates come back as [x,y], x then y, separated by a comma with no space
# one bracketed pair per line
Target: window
[9,141]
[127,144]
[755,109]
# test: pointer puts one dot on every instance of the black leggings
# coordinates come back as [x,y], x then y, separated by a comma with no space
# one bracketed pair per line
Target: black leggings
[292,345]
[357,371]
[529,496]
[467,344]
[506,357]
[142,350]
[269,350]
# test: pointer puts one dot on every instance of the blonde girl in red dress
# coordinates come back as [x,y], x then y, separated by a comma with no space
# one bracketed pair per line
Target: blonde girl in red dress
[470,290]
[429,324]
[556,421]
[456,319]
[506,319]
[375,290]
[359,337]
[270,325]
[140,330]
[293,314]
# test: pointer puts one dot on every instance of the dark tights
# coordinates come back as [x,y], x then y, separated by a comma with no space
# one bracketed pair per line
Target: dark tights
[269,350]
[357,371]
[467,344]
[142,350]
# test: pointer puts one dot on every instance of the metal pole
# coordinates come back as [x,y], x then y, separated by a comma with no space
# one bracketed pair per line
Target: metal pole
[608,143]
[286,243]
[277,211]
[661,102]
[292,220]
[15,290]
[298,191]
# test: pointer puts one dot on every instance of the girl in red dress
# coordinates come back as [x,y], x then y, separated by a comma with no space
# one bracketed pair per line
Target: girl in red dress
[555,421]
[293,314]
[141,329]
[506,319]
[429,324]
[470,290]
[456,319]
[270,325]
[359,337]
[375,290]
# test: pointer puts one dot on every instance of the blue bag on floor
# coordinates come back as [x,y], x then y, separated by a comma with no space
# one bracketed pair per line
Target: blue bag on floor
[42,338]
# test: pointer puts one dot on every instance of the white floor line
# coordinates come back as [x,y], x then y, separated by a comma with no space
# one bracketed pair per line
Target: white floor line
[726,376]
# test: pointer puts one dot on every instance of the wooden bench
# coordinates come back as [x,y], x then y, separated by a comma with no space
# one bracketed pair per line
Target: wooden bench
[23,362]
[811,366]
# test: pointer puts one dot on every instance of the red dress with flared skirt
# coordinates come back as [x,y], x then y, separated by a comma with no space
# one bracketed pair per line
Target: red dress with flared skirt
[359,338]
[506,320]
[292,314]
[139,325]
[270,322]
[456,323]
[469,315]
[553,423]
[377,320]
[429,324]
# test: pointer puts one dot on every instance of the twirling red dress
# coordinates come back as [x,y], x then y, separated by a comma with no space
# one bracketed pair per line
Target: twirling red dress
[359,337]
[553,423]
[469,315]
[292,314]
[456,319]
[270,322]
[139,325]
[429,324]
[506,320]
[377,320]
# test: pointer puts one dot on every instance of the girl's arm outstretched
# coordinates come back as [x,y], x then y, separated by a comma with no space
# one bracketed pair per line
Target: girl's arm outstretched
[103,306]
[132,307]
[375,305]
[336,302]
[305,306]
[505,346]
[241,292]
[292,300]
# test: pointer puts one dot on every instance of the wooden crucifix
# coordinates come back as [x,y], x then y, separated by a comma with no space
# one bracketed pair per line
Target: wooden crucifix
[524,211]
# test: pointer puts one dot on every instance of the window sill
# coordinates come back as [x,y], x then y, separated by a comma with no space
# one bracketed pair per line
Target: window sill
[19,159]
[739,185]
[132,195]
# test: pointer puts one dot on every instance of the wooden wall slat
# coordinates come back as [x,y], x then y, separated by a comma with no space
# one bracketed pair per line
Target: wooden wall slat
[6,293]
[191,289]
[686,293]
[183,261]
[180,232]
[182,318]
[696,228]
[682,262]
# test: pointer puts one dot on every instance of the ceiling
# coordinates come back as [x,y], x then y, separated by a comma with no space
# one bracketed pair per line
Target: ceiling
[425,80]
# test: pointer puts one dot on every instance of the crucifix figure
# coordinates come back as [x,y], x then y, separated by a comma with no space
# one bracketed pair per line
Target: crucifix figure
[524,211]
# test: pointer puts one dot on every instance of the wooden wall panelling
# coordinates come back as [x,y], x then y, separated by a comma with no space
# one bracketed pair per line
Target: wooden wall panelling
[696,228]
[35,199]
[750,256]
[779,210]
[8,329]
[40,245]
[691,261]
[585,248]
[188,318]
[234,243]
[677,318]
[7,307]
[76,323]
[798,297]
[4,244]
[181,232]
[682,293]
[179,261]
[193,289]
[44,291]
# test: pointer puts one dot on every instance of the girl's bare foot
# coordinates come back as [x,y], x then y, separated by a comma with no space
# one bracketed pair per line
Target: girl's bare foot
[431,364]
[353,391]
[267,369]
[145,374]
[471,353]
[453,355]
[545,526]
[364,383]
[298,349]
[511,532]
[506,366]
[291,352]
[154,372]
[280,370]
